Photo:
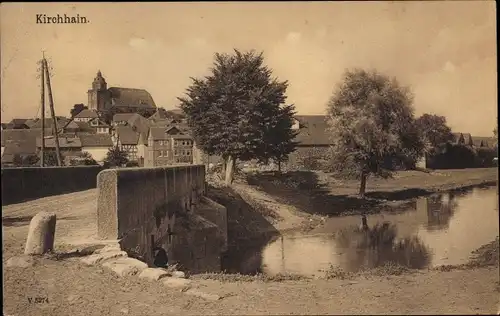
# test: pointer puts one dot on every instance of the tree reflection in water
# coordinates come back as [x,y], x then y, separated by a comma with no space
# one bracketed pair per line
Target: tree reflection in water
[371,247]
[440,209]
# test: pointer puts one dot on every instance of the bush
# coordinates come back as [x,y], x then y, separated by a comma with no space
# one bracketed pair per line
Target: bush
[485,157]
[454,156]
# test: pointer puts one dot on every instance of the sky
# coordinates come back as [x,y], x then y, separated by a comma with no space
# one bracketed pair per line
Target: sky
[444,51]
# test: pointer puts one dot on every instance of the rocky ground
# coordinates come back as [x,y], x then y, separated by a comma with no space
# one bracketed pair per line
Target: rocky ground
[64,285]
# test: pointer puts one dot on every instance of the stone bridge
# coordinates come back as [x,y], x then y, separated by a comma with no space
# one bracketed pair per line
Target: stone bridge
[141,208]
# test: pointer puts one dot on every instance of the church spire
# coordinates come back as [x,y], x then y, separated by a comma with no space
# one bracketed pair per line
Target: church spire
[99,82]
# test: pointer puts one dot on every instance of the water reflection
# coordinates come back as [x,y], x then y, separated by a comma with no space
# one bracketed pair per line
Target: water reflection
[441,229]
[439,210]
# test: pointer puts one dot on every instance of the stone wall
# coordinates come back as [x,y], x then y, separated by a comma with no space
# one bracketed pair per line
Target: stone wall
[22,184]
[150,207]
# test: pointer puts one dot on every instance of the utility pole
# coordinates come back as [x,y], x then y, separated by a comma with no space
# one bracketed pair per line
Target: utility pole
[42,104]
[52,112]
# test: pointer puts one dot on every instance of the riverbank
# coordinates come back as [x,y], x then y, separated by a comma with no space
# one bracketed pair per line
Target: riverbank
[255,218]
[319,193]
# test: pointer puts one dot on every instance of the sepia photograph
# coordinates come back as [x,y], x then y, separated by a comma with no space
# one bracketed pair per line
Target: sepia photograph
[249,158]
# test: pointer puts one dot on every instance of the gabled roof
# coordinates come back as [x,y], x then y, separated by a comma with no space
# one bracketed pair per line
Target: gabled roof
[312,130]
[87,114]
[480,141]
[126,135]
[61,122]
[140,123]
[95,140]
[19,148]
[165,133]
[467,138]
[122,117]
[27,136]
[85,127]
[64,142]
[100,122]
[160,114]
[18,121]
[128,97]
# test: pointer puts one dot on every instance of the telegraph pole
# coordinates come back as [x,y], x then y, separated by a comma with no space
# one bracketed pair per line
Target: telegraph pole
[42,104]
[52,112]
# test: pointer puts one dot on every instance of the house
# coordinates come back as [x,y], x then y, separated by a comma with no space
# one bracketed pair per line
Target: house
[61,123]
[462,139]
[97,145]
[101,99]
[85,116]
[483,142]
[99,126]
[134,120]
[312,139]
[18,123]
[128,140]
[168,146]
[160,114]
[21,142]
[70,146]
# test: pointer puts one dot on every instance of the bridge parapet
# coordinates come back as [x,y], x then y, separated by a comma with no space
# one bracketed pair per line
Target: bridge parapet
[140,207]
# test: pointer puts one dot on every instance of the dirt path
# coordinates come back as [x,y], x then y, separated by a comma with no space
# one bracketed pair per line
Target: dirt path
[76,220]
[73,289]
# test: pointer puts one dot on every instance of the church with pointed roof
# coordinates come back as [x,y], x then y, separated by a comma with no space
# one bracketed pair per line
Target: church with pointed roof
[101,98]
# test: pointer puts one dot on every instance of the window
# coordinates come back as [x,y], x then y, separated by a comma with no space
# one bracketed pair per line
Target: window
[161,153]
[150,142]
[189,153]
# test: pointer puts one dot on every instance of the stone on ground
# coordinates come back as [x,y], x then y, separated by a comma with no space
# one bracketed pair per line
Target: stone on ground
[178,274]
[210,297]
[20,262]
[112,247]
[153,274]
[101,257]
[125,266]
[176,283]
[41,234]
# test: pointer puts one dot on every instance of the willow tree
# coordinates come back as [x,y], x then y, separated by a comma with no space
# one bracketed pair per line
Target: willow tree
[372,126]
[239,111]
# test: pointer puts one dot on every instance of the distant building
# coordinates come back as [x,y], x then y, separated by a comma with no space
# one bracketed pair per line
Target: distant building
[101,99]
[168,146]
[97,145]
[312,138]
[462,139]
[131,141]
[85,116]
[100,126]
[69,146]
[134,120]
[17,123]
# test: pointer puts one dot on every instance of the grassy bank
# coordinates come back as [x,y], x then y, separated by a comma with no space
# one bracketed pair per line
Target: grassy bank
[320,193]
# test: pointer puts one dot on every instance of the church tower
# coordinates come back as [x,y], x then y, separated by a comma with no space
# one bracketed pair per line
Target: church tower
[98,95]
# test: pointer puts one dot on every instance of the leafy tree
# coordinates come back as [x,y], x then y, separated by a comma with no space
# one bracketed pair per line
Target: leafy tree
[371,123]
[77,108]
[236,110]
[115,157]
[279,136]
[433,131]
